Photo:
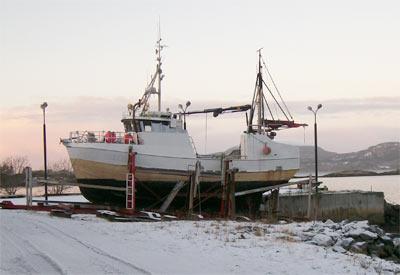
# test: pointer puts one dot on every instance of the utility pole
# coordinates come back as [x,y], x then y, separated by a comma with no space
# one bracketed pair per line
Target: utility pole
[319,106]
[43,106]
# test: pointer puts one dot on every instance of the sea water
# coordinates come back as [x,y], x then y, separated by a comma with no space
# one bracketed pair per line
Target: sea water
[389,185]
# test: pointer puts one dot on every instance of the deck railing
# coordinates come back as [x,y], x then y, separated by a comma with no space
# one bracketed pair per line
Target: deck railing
[103,137]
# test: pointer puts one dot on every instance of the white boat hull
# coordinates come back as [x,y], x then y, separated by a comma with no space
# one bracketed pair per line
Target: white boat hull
[159,168]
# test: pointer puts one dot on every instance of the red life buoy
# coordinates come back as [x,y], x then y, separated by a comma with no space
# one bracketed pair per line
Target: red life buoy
[110,137]
[128,138]
[266,150]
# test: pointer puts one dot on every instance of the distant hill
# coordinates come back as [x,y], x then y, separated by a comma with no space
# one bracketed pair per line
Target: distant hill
[384,156]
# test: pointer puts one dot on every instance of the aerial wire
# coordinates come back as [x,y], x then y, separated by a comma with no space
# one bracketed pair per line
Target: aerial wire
[276,88]
[275,100]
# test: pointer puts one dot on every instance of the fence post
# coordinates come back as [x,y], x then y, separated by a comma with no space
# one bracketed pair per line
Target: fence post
[309,196]
[28,185]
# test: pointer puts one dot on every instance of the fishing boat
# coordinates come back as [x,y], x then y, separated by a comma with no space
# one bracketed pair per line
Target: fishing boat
[166,158]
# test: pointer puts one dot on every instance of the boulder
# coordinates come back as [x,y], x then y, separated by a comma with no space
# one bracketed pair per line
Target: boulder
[356,225]
[363,234]
[359,247]
[377,230]
[368,236]
[333,234]
[306,236]
[322,240]
[339,249]
[377,249]
[386,240]
[345,243]
[396,242]
[328,222]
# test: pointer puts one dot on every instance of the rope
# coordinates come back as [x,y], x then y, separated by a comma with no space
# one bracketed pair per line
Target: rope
[275,100]
[269,109]
[276,88]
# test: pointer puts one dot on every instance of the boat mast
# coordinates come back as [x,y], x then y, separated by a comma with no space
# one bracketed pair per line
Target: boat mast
[150,89]
[259,102]
[259,106]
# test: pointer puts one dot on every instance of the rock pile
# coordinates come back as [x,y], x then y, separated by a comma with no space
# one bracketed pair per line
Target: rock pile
[356,236]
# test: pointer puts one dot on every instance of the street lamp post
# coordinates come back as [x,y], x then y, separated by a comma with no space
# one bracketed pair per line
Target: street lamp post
[43,106]
[319,106]
[184,112]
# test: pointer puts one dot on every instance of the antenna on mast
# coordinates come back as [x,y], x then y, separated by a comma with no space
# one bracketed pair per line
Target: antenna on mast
[159,28]
[159,71]
[160,76]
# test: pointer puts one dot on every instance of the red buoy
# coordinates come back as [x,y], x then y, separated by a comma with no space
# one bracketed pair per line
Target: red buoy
[266,150]
[128,138]
[110,137]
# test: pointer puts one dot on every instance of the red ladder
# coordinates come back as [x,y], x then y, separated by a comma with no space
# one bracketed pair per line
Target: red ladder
[130,182]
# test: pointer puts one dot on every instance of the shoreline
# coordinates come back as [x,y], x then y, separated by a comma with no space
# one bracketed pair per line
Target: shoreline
[354,173]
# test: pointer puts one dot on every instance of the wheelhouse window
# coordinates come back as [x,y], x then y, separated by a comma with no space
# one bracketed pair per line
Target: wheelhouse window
[146,125]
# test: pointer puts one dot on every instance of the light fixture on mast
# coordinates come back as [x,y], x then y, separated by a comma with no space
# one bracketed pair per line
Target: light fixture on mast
[184,112]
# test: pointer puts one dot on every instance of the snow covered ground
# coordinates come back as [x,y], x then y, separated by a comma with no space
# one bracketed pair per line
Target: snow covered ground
[66,198]
[37,243]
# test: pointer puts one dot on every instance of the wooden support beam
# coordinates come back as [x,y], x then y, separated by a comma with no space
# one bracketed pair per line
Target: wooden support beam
[178,186]
[271,202]
[194,183]
[191,194]
[225,188]
[231,196]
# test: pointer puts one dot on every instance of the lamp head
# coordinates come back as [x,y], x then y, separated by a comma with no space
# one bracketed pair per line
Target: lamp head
[309,108]
[44,105]
[180,106]
[319,106]
[188,104]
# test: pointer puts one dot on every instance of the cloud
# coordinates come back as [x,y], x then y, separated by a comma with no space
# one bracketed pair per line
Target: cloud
[74,109]
[95,108]
[340,106]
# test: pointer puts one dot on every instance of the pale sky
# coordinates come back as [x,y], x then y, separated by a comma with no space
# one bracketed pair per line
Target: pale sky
[88,59]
